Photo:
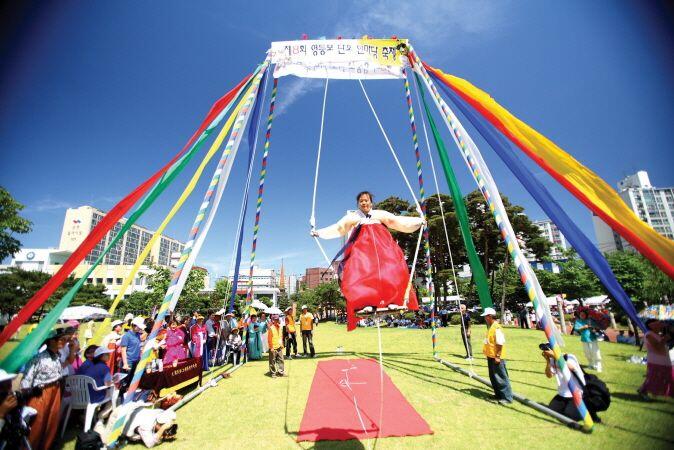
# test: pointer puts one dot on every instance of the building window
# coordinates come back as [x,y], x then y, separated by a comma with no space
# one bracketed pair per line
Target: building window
[120,280]
[90,280]
[99,280]
[108,281]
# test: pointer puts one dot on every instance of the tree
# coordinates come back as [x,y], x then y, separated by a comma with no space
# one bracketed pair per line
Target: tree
[222,290]
[486,236]
[329,298]
[190,297]
[658,287]
[10,223]
[17,286]
[630,270]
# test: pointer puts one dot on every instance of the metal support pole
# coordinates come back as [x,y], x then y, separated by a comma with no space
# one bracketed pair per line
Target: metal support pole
[525,401]
[211,383]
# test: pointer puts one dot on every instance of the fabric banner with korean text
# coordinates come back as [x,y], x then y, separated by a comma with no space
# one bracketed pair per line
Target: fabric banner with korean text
[349,59]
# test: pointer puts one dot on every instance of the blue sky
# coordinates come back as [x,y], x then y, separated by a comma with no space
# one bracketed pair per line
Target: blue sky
[97,95]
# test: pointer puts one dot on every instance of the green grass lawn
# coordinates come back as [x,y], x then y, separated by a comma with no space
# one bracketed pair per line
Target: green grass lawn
[252,410]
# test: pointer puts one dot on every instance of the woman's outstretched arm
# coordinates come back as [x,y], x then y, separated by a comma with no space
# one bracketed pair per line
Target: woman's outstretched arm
[339,229]
[405,224]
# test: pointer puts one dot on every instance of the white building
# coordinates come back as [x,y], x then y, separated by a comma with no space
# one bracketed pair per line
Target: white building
[265,282]
[79,222]
[550,231]
[291,284]
[39,259]
[117,264]
[655,206]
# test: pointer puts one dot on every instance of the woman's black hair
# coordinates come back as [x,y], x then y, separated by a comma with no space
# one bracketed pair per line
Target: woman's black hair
[368,193]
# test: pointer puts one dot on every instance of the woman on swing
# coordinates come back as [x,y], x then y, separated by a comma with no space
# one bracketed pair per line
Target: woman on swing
[373,272]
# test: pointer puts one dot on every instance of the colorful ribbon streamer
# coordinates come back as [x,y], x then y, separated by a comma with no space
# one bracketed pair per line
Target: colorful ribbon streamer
[582,182]
[578,240]
[422,200]
[479,275]
[252,145]
[489,190]
[26,348]
[260,192]
[218,182]
[104,327]
[110,219]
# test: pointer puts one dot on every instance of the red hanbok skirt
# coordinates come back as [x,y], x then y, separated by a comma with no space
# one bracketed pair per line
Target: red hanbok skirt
[374,272]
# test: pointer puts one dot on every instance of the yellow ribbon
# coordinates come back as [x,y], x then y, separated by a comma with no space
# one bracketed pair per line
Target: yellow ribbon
[104,328]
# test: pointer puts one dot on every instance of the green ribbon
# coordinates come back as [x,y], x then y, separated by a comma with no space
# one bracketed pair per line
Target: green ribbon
[27,348]
[479,275]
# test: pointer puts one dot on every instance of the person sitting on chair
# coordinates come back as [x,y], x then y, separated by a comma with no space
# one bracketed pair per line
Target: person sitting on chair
[234,345]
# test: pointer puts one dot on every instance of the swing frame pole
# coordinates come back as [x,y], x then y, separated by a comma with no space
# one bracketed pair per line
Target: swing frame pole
[520,398]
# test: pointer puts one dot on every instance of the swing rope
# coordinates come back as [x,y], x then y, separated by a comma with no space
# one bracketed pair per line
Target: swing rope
[409,186]
[422,193]
[393,152]
[312,219]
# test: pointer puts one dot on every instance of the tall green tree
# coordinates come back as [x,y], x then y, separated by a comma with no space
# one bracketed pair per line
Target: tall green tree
[11,223]
[190,298]
[487,238]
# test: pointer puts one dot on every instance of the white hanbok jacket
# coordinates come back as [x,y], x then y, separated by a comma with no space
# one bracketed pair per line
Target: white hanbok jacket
[405,224]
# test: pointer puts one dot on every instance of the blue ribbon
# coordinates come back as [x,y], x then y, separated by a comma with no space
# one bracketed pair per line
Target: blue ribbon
[578,240]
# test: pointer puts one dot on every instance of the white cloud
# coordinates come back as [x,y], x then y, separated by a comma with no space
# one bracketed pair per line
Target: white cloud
[216,268]
[48,204]
[296,88]
[277,258]
[429,25]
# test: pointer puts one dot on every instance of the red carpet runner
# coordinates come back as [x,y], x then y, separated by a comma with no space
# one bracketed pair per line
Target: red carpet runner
[331,413]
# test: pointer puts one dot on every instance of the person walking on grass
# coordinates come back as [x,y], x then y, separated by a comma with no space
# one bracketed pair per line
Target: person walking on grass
[659,372]
[465,331]
[494,350]
[307,328]
[290,332]
[584,326]
[275,341]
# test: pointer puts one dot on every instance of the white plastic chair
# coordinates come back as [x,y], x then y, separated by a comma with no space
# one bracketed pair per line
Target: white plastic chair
[78,387]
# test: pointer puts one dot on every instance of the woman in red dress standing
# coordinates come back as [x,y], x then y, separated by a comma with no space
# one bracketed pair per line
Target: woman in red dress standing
[373,272]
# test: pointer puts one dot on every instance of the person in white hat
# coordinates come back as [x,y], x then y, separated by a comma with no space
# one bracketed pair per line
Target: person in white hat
[112,341]
[131,346]
[127,322]
[98,370]
[494,350]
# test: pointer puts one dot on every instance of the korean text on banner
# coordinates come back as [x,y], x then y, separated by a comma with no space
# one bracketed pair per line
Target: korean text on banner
[350,59]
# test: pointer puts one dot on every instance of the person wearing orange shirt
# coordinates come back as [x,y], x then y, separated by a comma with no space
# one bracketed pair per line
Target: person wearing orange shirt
[290,333]
[307,328]
[275,341]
